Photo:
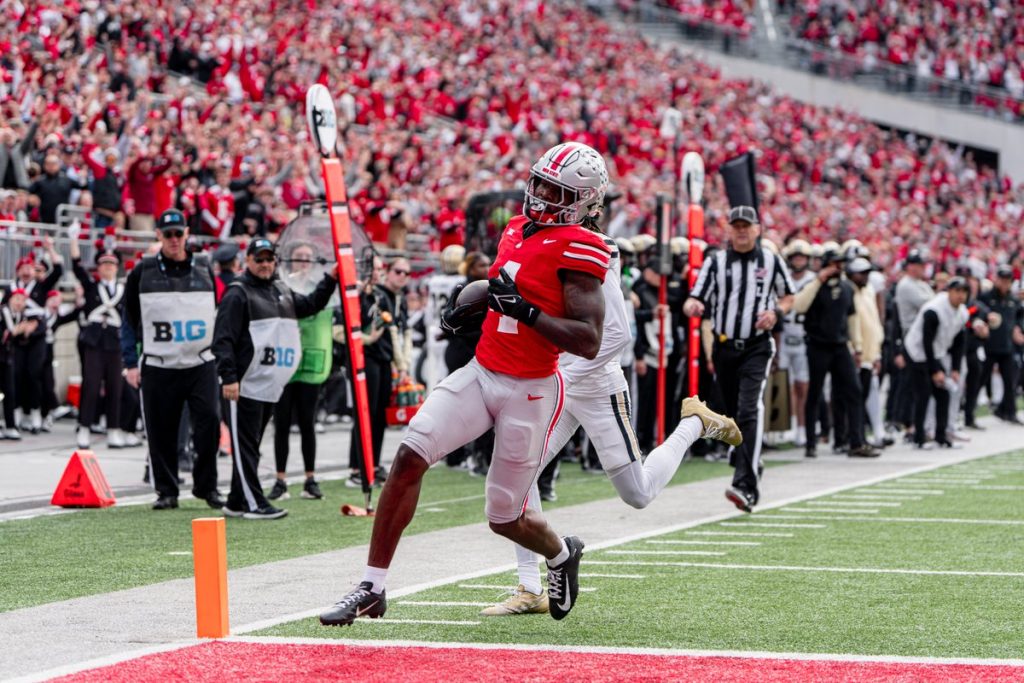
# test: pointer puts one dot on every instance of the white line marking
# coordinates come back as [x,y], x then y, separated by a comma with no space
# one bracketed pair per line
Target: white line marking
[996,487]
[671,542]
[838,511]
[180,552]
[926,492]
[875,496]
[791,568]
[922,520]
[435,503]
[706,553]
[598,649]
[943,482]
[442,603]
[612,576]
[431,509]
[755,534]
[781,526]
[383,621]
[481,586]
[851,503]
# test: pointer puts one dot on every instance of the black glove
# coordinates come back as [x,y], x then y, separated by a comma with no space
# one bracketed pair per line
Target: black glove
[503,297]
[457,320]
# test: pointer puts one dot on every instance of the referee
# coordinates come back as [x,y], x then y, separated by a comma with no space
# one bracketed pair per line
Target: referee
[746,290]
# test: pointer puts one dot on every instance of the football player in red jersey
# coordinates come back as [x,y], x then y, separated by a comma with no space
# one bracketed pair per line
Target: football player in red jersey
[545,297]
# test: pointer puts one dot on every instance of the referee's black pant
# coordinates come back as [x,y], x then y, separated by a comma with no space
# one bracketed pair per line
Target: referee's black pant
[247,420]
[834,359]
[165,392]
[925,388]
[743,375]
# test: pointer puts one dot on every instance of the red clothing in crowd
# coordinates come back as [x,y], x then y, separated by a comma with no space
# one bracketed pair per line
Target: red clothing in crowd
[142,186]
[217,206]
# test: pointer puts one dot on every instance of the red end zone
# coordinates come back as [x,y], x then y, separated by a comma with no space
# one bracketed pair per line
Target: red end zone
[227,661]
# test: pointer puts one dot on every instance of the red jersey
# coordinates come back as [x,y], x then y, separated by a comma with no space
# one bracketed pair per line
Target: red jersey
[217,205]
[514,348]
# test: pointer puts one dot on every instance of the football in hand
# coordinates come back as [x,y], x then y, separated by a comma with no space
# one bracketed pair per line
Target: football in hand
[474,295]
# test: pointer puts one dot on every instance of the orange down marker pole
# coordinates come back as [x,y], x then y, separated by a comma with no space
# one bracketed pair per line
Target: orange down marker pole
[210,557]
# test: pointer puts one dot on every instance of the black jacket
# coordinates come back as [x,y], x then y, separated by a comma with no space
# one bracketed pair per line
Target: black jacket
[1000,340]
[52,192]
[826,320]
[232,345]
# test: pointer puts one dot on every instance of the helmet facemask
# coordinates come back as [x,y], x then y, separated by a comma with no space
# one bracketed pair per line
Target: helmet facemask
[550,203]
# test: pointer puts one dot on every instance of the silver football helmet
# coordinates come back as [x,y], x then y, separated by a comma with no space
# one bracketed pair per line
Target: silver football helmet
[567,184]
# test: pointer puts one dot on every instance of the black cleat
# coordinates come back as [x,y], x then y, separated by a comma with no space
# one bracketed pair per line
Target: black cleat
[279,491]
[564,580]
[311,490]
[361,602]
[744,500]
[166,503]
[213,499]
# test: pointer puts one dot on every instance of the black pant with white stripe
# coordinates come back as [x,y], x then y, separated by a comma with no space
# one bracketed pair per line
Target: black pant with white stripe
[743,376]
[247,419]
[164,395]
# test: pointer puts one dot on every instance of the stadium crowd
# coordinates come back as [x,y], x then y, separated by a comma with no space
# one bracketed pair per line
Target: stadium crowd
[975,42]
[130,109]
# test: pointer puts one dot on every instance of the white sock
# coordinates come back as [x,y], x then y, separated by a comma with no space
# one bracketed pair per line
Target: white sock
[376,576]
[529,571]
[561,556]
[661,464]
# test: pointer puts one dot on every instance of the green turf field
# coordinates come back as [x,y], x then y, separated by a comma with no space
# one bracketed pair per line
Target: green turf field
[95,551]
[815,581]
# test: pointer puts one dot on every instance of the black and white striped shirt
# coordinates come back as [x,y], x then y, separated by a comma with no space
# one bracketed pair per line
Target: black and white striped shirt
[736,288]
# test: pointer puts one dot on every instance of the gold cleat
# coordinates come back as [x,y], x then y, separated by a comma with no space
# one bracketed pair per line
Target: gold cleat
[716,426]
[520,602]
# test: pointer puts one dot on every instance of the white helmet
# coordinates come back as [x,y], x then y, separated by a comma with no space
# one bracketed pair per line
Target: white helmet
[581,175]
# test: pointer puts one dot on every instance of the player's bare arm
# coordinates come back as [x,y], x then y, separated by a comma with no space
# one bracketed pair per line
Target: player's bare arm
[580,331]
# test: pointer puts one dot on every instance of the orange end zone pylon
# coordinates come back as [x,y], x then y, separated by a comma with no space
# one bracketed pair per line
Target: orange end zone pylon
[693,180]
[83,485]
[210,559]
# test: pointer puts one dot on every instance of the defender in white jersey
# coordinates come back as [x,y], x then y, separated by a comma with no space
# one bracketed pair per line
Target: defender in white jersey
[597,397]
[793,354]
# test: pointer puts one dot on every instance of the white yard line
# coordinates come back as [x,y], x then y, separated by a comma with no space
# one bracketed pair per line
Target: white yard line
[705,553]
[850,503]
[584,575]
[754,534]
[887,489]
[997,487]
[674,542]
[875,496]
[481,586]
[838,511]
[772,525]
[656,652]
[441,603]
[384,621]
[793,568]
[915,520]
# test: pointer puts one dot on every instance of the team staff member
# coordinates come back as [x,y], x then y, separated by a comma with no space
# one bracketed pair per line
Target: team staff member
[911,293]
[830,321]
[935,346]
[999,347]
[169,310]
[258,348]
[748,290]
[872,334]
[793,354]
[100,340]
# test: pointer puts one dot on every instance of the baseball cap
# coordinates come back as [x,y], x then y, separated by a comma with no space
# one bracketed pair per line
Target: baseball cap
[743,213]
[226,252]
[258,245]
[171,218]
[957,283]
[915,256]
[1004,270]
[858,265]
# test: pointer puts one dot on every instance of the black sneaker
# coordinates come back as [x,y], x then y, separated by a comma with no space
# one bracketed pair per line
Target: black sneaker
[229,512]
[361,602]
[548,495]
[744,500]
[564,580]
[280,491]
[265,512]
[213,499]
[311,490]
[354,482]
[864,451]
[380,475]
[166,503]
[810,453]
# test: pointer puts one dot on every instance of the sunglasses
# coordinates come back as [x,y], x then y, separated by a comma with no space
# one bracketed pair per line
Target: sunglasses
[264,259]
[396,271]
[174,234]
